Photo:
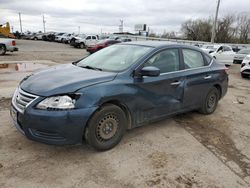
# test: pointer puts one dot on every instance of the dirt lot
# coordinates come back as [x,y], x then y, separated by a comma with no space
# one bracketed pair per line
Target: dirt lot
[189,150]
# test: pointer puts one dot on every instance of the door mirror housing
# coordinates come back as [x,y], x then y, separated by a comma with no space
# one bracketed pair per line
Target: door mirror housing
[150,71]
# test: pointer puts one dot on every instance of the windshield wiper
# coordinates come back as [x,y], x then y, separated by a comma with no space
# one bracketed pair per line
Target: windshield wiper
[90,67]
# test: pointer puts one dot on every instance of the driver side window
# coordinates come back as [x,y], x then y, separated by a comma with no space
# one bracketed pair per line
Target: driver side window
[166,60]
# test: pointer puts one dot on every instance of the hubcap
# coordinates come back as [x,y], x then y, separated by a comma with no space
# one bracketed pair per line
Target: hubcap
[107,127]
[211,101]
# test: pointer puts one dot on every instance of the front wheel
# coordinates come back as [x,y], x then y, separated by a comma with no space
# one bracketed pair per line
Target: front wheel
[211,101]
[106,127]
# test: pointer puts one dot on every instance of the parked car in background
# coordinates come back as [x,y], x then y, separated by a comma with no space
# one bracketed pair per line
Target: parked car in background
[125,40]
[245,67]
[38,36]
[77,37]
[101,44]
[62,38]
[120,87]
[223,54]
[240,55]
[208,48]
[58,36]
[50,36]
[7,45]
[89,40]
[68,38]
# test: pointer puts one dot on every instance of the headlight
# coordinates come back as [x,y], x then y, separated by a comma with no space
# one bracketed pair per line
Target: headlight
[57,102]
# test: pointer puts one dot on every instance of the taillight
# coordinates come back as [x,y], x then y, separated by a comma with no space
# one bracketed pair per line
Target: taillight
[13,43]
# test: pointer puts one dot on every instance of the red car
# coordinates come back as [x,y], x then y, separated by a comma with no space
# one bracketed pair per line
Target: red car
[102,44]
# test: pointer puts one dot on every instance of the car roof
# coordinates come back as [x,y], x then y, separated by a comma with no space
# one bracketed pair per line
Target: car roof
[160,44]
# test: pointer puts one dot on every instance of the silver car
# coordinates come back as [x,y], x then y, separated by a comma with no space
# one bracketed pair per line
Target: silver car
[240,55]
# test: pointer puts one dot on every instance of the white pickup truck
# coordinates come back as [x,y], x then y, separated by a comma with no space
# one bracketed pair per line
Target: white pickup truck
[7,45]
[89,40]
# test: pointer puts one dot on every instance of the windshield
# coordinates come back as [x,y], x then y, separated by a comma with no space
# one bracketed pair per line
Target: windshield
[115,58]
[244,51]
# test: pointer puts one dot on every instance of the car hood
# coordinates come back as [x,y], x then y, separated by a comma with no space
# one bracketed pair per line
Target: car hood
[63,79]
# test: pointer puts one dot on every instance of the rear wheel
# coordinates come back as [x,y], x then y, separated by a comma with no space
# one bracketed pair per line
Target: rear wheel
[2,49]
[82,45]
[211,101]
[106,127]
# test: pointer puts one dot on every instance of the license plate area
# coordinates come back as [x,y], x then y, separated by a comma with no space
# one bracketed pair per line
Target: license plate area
[14,116]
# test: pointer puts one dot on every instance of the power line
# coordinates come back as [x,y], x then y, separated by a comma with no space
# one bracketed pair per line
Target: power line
[215,22]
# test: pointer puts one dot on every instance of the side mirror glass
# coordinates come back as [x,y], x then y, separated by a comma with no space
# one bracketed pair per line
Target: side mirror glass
[150,71]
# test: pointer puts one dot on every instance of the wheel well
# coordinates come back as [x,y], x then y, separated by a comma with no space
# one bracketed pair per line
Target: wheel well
[218,87]
[124,108]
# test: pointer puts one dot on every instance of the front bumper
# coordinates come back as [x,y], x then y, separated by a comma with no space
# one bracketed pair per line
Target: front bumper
[53,127]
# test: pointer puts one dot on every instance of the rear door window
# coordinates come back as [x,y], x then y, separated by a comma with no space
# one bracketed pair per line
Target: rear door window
[192,59]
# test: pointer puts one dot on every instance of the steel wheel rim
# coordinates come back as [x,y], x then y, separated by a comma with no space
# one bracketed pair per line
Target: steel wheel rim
[107,127]
[211,101]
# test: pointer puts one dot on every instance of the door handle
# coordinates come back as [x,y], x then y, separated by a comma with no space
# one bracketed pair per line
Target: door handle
[175,83]
[207,77]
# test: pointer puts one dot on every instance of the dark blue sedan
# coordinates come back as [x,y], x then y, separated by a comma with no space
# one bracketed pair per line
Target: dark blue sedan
[120,87]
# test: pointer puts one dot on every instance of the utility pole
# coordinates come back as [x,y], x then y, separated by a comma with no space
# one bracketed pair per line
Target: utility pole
[121,26]
[44,24]
[79,30]
[215,22]
[20,20]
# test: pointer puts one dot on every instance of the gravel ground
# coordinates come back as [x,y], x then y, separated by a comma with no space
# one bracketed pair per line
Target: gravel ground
[188,150]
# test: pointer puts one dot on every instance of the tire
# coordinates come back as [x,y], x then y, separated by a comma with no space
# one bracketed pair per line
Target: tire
[244,75]
[82,45]
[106,127]
[35,38]
[2,49]
[211,101]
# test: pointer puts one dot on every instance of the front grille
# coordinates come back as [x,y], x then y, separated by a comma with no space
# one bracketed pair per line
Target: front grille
[22,99]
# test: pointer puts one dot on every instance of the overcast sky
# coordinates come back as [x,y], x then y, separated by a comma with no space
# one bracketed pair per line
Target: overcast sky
[94,16]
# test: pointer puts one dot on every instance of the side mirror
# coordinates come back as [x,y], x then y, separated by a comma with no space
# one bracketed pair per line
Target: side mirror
[150,71]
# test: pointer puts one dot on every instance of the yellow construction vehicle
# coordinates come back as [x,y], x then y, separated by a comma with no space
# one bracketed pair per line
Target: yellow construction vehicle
[5,30]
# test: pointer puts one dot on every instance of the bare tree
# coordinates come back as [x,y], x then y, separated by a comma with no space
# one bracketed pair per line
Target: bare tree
[197,29]
[225,30]
[243,28]
[168,35]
